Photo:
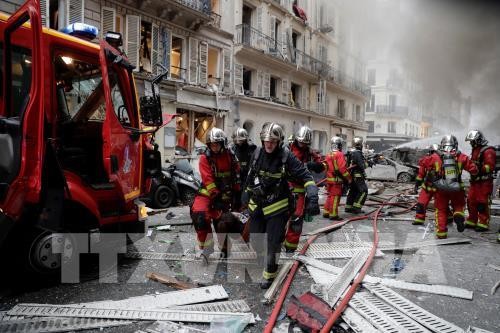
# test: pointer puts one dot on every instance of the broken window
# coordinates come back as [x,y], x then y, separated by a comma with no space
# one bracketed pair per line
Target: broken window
[145,49]
[214,76]
[341,108]
[296,94]
[247,81]
[273,87]
[176,58]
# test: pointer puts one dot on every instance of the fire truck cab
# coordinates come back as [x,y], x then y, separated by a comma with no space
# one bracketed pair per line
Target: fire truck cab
[75,146]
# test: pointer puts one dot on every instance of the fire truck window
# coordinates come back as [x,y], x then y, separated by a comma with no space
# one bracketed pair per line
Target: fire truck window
[81,83]
[121,110]
[21,79]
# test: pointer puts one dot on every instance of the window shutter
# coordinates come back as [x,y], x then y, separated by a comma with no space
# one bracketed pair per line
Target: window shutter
[322,97]
[108,20]
[260,28]
[155,47]
[304,97]
[165,42]
[193,60]
[260,79]
[285,91]
[203,62]
[75,11]
[133,33]
[238,79]
[227,70]
[267,85]
[284,46]
[44,10]
[272,30]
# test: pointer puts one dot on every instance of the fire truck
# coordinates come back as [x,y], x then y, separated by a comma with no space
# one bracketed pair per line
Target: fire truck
[76,148]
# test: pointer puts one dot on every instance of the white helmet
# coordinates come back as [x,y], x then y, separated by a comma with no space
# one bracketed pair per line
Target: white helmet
[304,135]
[240,134]
[272,131]
[216,135]
[336,143]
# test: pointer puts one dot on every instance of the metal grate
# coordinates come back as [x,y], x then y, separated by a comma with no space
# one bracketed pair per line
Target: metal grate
[420,315]
[357,322]
[49,324]
[228,306]
[373,316]
[169,327]
[44,310]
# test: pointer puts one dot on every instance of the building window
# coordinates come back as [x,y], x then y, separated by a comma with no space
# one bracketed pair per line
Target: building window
[391,127]
[372,104]
[145,50]
[247,81]
[392,103]
[341,108]
[273,91]
[296,94]
[213,64]
[371,126]
[371,77]
[176,55]
[191,128]
[358,113]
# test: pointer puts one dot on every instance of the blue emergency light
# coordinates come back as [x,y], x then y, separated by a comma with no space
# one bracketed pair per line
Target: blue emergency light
[81,30]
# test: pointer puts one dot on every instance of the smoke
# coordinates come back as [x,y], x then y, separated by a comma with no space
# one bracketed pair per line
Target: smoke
[450,48]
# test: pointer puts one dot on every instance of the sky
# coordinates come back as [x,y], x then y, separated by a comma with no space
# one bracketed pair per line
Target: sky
[450,47]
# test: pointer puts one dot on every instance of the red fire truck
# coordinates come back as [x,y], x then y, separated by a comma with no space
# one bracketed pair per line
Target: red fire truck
[75,139]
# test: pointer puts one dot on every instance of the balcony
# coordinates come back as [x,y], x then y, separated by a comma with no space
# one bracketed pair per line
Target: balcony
[190,14]
[398,111]
[214,20]
[251,37]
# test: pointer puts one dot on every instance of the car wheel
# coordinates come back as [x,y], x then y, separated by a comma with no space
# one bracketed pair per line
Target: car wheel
[163,197]
[404,177]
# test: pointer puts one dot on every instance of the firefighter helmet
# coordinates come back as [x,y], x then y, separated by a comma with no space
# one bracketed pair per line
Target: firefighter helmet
[448,143]
[433,148]
[336,143]
[304,135]
[216,135]
[272,131]
[239,135]
[476,138]
[357,142]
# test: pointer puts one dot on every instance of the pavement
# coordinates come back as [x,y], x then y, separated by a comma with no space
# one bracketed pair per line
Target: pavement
[462,265]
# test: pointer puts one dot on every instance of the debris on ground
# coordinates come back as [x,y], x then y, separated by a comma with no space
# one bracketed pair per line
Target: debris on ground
[169,281]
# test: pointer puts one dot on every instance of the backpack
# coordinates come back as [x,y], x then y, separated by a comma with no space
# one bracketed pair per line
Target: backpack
[449,180]
[497,162]
[309,312]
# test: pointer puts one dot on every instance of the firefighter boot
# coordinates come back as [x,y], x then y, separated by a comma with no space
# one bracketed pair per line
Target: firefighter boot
[459,221]
[266,283]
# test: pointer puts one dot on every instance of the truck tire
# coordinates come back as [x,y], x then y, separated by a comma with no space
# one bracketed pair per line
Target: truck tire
[163,197]
[404,177]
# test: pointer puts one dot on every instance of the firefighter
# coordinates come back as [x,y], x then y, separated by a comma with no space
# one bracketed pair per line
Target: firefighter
[243,149]
[301,148]
[268,196]
[336,174]
[358,190]
[219,192]
[424,182]
[448,167]
[481,185]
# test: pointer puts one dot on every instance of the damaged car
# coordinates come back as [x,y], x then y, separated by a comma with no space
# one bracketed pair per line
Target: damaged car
[383,168]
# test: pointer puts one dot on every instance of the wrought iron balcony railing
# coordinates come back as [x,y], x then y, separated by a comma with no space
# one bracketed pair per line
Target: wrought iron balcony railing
[198,5]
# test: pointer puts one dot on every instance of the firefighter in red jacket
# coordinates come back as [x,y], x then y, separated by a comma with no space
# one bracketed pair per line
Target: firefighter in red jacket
[301,148]
[481,185]
[448,167]
[424,182]
[336,173]
[219,193]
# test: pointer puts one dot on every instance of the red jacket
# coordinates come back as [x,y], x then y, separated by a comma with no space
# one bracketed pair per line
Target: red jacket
[425,167]
[463,163]
[219,174]
[304,155]
[487,165]
[336,168]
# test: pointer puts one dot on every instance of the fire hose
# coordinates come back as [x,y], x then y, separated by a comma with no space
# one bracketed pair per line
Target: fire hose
[287,283]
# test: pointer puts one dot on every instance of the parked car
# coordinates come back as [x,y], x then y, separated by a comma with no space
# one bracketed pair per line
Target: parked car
[384,168]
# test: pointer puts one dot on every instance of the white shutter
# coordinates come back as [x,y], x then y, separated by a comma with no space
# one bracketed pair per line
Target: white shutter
[133,34]
[322,97]
[108,20]
[44,11]
[272,30]
[155,48]
[285,91]
[259,41]
[260,82]
[304,97]
[238,79]
[203,62]
[284,45]
[75,11]
[165,41]
[193,60]
[267,85]
[227,70]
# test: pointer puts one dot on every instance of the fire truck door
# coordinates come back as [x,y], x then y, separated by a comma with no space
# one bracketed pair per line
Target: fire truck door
[121,142]
[21,115]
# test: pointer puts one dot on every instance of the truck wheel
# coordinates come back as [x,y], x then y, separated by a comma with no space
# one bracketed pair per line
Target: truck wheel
[188,195]
[163,197]
[404,177]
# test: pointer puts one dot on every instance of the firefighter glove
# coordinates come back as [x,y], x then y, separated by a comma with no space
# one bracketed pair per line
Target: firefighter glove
[296,224]
[312,206]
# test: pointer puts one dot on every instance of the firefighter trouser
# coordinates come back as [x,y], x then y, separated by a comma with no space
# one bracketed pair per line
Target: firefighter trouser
[294,229]
[266,235]
[357,193]
[331,207]
[478,203]
[442,201]
[203,216]
[424,198]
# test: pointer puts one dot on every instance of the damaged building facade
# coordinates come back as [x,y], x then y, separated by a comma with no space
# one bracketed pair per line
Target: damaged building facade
[235,63]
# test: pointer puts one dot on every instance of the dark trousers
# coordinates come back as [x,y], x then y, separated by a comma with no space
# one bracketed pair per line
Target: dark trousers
[266,235]
[358,192]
